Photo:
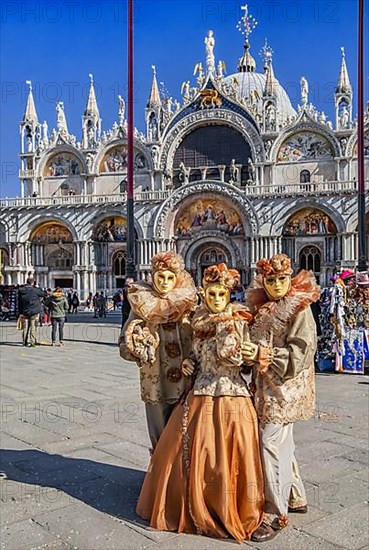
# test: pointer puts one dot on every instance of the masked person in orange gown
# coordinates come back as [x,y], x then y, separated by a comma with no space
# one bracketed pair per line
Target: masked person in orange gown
[158,336]
[283,344]
[205,476]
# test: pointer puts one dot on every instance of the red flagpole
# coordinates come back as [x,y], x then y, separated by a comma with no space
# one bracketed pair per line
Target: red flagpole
[362,265]
[131,264]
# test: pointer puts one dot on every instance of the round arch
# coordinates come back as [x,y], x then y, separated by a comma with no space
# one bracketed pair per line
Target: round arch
[121,143]
[352,222]
[285,215]
[305,127]
[58,150]
[3,232]
[165,217]
[111,213]
[352,143]
[42,219]
[215,117]
[223,248]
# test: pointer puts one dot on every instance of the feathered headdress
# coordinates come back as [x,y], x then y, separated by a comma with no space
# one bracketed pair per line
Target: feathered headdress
[278,264]
[221,275]
[167,260]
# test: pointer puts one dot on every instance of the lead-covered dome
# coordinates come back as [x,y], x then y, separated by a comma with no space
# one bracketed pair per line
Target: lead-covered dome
[251,86]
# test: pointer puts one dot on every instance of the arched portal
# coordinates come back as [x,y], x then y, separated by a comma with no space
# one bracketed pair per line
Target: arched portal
[311,259]
[4,262]
[310,239]
[52,253]
[207,254]
[119,268]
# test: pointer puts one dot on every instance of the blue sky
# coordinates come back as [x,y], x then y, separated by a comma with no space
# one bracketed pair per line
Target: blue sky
[56,44]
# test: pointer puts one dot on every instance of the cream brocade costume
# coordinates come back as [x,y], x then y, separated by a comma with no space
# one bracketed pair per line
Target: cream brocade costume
[217,348]
[167,338]
[285,391]
[205,476]
[284,381]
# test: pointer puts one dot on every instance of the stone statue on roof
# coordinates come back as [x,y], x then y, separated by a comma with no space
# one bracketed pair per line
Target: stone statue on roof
[209,49]
[304,91]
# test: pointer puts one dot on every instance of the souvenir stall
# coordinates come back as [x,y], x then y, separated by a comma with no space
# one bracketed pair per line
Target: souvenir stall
[8,302]
[344,344]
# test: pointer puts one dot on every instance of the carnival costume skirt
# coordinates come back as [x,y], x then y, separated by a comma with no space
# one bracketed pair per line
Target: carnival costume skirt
[205,476]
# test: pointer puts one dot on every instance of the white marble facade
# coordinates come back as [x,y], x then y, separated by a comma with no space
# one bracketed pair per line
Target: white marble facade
[232,172]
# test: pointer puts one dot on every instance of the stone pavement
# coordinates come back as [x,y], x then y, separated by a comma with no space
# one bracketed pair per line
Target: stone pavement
[75,450]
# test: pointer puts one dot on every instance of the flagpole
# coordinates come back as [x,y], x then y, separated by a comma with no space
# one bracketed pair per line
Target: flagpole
[362,264]
[131,264]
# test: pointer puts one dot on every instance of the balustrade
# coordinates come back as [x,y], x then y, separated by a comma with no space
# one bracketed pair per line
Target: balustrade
[311,188]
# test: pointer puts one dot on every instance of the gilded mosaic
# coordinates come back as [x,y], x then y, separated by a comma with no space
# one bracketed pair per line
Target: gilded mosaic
[208,215]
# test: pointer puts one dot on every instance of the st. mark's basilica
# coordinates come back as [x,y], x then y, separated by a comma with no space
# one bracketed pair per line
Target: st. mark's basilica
[232,172]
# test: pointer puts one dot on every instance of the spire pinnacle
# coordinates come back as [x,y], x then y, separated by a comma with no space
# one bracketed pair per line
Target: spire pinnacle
[266,53]
[92,108]
[154,99]
[343,84]
[30,114]
[270,81]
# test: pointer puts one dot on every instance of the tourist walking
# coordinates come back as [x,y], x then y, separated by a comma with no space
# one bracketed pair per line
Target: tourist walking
[89,301]
[69,299]
[75,302]
[30,307]
[126,306]
[57,306]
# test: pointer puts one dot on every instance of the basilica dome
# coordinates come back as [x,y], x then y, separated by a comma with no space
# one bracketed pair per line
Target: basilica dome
[252,84]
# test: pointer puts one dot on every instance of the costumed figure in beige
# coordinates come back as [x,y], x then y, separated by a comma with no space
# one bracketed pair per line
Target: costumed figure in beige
[158,336]
[281,351]
[205,475]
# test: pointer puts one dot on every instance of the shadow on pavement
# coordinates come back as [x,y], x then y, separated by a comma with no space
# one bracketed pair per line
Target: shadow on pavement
[112,344]
[114,319]
[107,488]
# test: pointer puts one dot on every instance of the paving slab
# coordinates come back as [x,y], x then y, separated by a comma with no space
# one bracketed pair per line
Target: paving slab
[348,528]
[85,528]
[295,539]
[29,535]
[73,474]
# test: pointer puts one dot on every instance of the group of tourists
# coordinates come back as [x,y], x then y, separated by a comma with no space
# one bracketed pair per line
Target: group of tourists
[223,384]
[36,306]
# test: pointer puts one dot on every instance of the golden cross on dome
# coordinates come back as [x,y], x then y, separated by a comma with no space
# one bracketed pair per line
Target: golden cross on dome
[247,23]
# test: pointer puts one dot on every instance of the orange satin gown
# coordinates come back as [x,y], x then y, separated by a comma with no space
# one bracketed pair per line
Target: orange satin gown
[205,476]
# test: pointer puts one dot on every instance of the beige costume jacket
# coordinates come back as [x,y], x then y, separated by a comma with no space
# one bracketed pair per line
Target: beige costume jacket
[217,348]
[284,379]
[158,337]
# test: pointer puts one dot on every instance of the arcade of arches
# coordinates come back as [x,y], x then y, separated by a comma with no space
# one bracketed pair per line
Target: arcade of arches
[60,260]
[206,231]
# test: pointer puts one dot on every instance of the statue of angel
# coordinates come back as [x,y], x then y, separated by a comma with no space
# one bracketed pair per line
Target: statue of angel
[122,108]
[185,89]
[220,68]
[201,75]
[304,91]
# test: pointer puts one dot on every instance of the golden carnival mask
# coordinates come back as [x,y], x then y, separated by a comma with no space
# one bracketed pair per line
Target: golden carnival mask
[164,281]
[217,298]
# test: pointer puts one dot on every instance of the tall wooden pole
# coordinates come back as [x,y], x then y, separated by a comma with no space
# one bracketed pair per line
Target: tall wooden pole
[131,262]
[362,265]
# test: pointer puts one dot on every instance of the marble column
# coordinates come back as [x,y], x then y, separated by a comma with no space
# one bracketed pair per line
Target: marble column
[252,250]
